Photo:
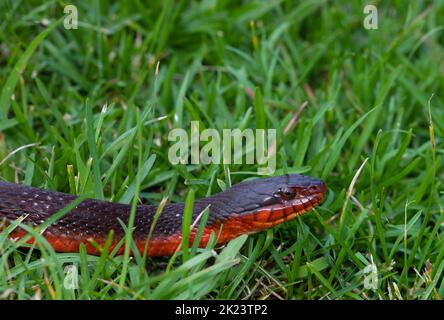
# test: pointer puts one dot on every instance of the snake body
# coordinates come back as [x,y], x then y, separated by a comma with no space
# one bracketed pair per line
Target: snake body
[245,208]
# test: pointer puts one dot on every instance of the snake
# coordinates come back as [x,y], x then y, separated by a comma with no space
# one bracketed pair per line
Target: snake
[245,208]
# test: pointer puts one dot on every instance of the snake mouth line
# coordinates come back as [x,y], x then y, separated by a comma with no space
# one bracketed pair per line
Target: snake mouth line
[265,217]
[275,214]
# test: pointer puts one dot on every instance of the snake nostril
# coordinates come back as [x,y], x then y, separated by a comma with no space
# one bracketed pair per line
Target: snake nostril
[314,188]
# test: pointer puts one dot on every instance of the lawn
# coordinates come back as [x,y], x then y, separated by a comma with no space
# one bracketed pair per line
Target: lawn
[88,111]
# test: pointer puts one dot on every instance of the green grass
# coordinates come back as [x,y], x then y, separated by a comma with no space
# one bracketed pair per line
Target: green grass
[90,115]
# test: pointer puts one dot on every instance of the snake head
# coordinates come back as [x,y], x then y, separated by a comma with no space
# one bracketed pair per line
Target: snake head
[300,188]
[263,203]
[259,204]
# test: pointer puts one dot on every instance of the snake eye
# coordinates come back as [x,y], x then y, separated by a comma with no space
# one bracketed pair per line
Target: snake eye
[286,193]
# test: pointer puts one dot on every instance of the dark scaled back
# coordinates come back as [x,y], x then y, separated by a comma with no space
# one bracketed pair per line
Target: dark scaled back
[95,217]
[90,217]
